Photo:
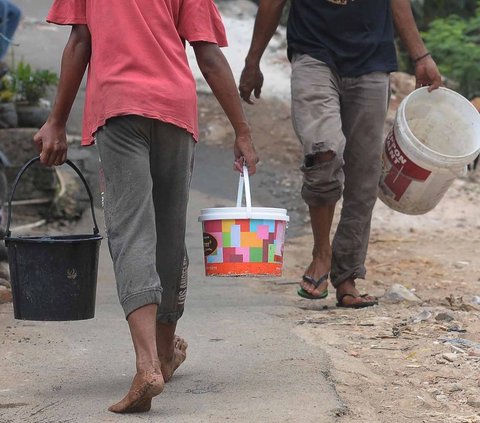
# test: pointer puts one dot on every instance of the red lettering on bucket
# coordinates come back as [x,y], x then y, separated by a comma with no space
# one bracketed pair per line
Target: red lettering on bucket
[403,171]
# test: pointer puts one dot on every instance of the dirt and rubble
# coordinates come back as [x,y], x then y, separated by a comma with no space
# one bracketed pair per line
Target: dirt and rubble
[416,356]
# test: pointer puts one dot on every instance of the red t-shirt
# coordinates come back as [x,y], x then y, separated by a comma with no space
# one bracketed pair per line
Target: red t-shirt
[138,63]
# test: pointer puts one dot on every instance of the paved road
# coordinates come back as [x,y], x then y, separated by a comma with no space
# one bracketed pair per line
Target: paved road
[245,363]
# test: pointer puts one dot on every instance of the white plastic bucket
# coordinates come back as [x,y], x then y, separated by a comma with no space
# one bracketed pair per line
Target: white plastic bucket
[434,137]
[243,241]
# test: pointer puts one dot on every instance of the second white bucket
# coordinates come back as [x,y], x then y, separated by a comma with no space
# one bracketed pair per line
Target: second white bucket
[434,137]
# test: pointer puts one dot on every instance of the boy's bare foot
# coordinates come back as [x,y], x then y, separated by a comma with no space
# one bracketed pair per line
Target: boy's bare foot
[170,364]
[146,385]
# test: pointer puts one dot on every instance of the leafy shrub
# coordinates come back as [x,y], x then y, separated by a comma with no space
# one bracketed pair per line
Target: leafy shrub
[32,85]
[426,11]
[454,43]
[7,90]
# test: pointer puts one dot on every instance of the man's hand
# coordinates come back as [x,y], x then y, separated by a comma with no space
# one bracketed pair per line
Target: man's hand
[427,74]
[266,23]
[426,70]
[245,153]
[51,142]
[250,80]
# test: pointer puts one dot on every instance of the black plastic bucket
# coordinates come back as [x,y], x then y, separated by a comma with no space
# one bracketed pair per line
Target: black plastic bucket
[53,277]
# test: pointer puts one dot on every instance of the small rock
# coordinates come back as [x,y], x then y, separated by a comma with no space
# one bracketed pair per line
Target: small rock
[461,342]
[4,271]
[445,317]
[398,293]
[474,353]
[422,316]
[5,283]
[461,264]
[454,388]
[455,327]
[441,398]
[476,300]
[473,402]
[402,84]
[451,357]
[5,296]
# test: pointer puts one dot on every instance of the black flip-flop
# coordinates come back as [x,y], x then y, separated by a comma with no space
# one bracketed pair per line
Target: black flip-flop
[316,284]
[363,304]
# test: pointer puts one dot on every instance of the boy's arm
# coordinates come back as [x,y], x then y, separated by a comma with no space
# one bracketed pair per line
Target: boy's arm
[267,20]
[426,71]
[51,139]
[218,75]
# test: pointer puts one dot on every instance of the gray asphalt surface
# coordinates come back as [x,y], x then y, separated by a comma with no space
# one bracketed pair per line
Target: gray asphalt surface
[244,362]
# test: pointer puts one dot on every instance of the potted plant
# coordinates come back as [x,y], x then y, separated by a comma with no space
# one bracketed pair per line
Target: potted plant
[8,113]
[31,87]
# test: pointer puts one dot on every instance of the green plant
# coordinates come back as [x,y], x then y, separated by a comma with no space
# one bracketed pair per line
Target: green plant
[31,85]
[426,11]
[451,31]
[7,90]
[454,42]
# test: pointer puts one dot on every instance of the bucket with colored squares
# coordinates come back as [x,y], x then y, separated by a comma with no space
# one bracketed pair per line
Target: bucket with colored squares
[243,241]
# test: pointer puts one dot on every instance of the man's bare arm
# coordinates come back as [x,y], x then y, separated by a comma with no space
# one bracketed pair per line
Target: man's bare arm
[266,23]
[426,70]
[218,75]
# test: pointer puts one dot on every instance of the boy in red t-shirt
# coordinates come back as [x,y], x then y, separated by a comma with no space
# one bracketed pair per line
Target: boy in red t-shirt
[141,111]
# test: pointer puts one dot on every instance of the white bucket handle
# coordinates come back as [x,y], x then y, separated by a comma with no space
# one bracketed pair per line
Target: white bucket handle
[244,180]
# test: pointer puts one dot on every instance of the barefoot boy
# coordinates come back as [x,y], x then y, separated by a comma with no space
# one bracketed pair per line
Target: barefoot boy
[141,110]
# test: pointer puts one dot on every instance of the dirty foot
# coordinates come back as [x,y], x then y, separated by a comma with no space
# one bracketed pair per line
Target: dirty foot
[169,365]
[348,296]
[145,386]
[314,282]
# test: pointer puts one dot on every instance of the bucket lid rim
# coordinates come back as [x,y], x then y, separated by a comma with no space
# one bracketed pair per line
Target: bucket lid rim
[243,209]
[419,91]
[245,217]
[220,213]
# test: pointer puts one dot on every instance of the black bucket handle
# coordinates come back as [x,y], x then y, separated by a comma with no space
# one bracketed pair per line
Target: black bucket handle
[17,179]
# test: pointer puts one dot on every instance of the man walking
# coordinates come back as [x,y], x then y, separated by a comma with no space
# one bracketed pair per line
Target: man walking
[342,52]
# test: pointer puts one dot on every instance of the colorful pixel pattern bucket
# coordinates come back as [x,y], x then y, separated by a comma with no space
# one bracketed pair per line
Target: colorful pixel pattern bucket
[244,247]
[243,241]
